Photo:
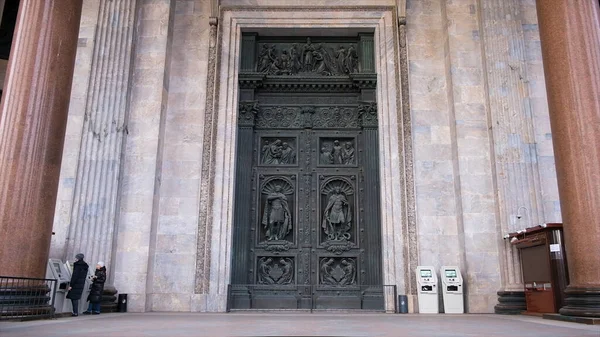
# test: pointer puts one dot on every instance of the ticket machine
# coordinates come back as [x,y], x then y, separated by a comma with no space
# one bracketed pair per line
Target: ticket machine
[427,286]
[452,290]
[57,270]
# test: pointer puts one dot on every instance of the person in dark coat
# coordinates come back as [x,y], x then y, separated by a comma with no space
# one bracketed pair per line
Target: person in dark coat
[80,270]
[96,290]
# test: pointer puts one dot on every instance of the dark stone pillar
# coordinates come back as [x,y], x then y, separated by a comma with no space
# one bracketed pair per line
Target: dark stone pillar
[33,118]
[570,36]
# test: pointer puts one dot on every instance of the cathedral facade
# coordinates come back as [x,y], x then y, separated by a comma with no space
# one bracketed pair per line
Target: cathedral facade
[244,153]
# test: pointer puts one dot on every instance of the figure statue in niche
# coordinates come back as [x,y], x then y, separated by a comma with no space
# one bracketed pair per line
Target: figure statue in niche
[277,219]
[326,157]
[326,269]
[348,154]
[263,271]
[288,271]
[288,155]
[337,218]
[349,272]
[340,58]
[336,153]
[272,153]
[308,63]
[351,65]
[267,58]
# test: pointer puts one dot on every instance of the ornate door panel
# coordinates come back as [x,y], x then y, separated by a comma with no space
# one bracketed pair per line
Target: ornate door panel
[306,224]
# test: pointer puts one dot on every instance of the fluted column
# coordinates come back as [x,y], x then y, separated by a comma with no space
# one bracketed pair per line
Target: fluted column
[516,169]
[33,117]
[94,210]
[570,36]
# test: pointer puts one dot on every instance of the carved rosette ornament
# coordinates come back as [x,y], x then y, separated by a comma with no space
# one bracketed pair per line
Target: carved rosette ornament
[248,111]
[368,114]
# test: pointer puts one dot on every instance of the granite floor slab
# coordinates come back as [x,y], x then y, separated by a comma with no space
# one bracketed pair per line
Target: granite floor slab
[296,324]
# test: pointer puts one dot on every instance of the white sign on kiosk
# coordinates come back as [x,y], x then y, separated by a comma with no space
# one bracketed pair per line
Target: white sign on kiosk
[427,286]
[452,290]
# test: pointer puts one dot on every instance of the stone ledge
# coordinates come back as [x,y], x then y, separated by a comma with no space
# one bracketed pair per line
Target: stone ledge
[573,319]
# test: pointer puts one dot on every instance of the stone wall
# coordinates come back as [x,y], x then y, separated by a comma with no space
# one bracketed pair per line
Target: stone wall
[162,250]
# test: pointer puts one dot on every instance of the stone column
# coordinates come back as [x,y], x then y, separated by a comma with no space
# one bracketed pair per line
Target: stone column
[33,117]
[94,209]
[570,36]
[514,147]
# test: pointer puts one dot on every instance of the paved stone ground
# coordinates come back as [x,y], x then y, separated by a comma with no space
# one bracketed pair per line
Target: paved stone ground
[296,324]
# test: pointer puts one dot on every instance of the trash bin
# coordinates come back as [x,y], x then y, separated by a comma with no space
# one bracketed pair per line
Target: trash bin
[122,303]
[402,304]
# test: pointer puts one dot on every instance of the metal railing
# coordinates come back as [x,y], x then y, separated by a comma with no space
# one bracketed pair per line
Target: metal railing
[306,297]
[26,298]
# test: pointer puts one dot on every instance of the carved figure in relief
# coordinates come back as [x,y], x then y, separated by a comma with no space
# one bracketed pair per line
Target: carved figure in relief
[351,65]
[288,155]
[272,153]
[295,58]
[267,58]
[326,157]
[348,154]
[337,217]
[264,269]
[340,58]
[326,270]
[277,218]
[284,64]
[349,273]
[336,153]
[322,61]
[264,151]
[288,271]
[308,63]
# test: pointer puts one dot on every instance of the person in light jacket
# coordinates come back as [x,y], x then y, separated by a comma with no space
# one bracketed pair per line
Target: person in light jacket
[80,269]
[96,290]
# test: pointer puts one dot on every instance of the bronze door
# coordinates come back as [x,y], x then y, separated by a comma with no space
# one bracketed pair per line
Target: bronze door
[306,224]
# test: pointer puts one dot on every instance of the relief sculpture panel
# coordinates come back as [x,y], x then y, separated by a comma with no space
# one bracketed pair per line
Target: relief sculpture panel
[275,270]
[278,151]
[309,58]
[337,272]
[337,151]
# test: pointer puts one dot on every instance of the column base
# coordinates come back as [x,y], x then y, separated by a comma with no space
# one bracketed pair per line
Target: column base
[581,302]
[510,303]
[109,299]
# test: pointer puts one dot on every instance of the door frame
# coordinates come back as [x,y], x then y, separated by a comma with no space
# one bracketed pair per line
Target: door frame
[395,141]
